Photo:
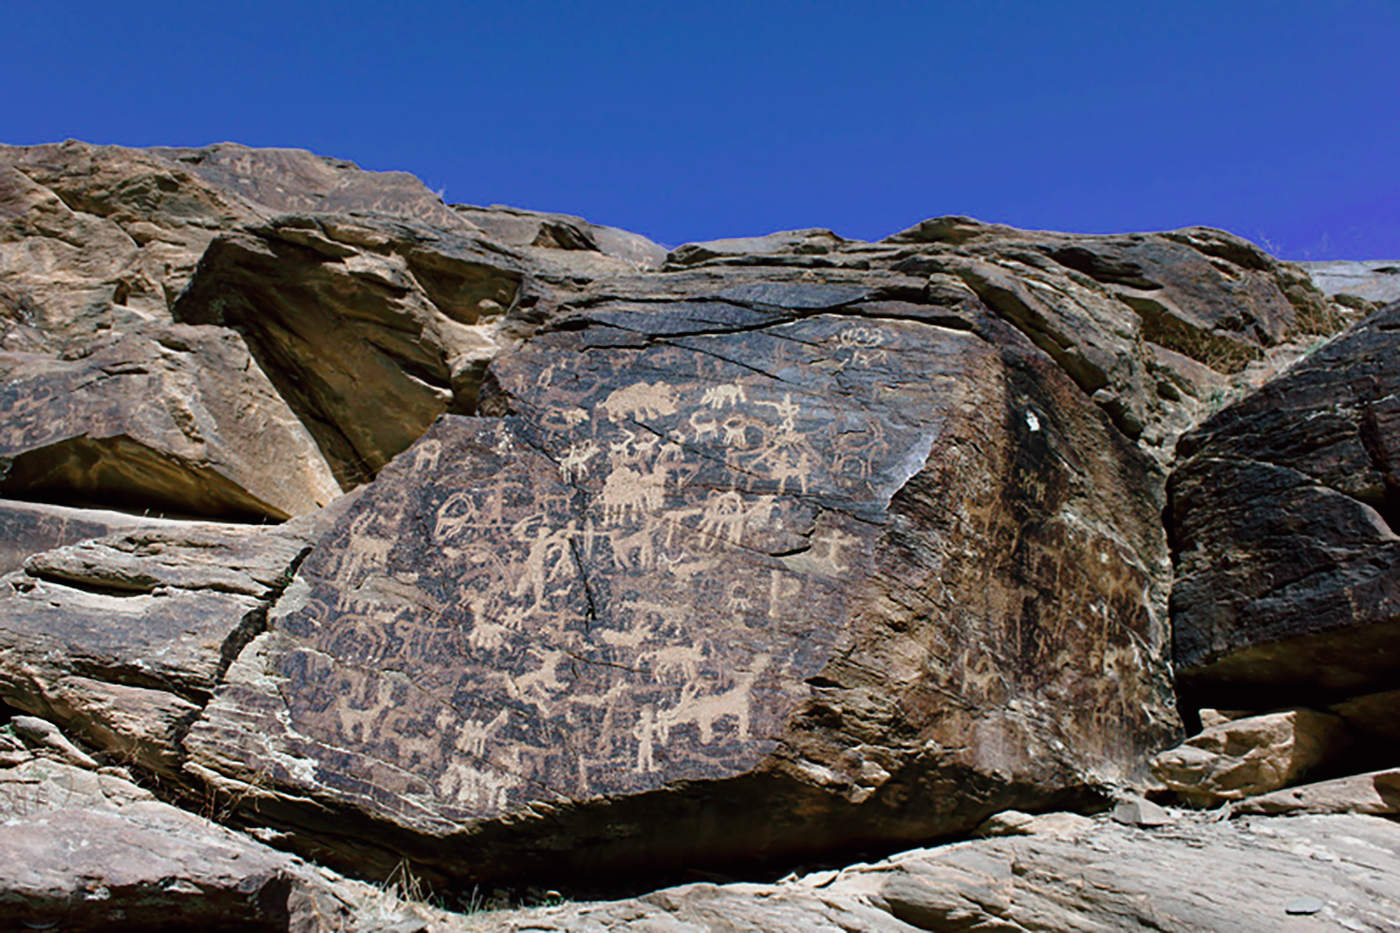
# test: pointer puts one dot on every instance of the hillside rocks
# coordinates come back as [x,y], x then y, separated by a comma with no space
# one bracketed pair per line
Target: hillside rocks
[1130,317]
[1374,283]
[754,552]
[369,331]
[1284,514]
[174,419]
[122,639]
[357,293]
[89,850]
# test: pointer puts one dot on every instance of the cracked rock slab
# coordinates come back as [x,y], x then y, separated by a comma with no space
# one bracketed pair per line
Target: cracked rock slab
[122,639]
[711,599]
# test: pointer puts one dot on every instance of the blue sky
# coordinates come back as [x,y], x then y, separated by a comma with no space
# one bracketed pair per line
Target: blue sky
[1279,120]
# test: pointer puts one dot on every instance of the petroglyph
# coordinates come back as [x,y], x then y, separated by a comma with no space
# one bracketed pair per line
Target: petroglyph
[632,490]
[705,710]
[782,590]
[646,732]
[473,734]
[666,663]
[642,401]
[703,425]
[367,551]
[724,396]
[574,466]
[828,548]
[864,343]
[426,456]
[636,550]
[855,451]
[478,789]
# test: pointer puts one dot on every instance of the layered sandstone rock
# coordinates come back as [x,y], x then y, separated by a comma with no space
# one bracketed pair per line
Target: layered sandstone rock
[1251,755]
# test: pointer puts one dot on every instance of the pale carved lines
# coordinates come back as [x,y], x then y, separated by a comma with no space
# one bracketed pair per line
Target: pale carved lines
[629,471]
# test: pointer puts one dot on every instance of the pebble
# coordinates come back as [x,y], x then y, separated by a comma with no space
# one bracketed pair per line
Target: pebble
[1303,905]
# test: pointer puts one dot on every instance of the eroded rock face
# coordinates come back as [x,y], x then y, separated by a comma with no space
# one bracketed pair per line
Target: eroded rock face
[710,597]
[175,419]
[1130,317]
[89,850]
[123,639]
[758,549]
[370,330]
[1284,516]
[370,305]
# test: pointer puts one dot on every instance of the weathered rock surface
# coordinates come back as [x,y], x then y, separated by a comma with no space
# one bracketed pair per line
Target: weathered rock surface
[122,639]
[27,528]
[563,232]
[1376,282]
[174,419]
[1131,317]
[721,558]
[83,850]
[721,596]
[1251,755]
[369,330]
[1283,519]
[1376,793]
[1257,873]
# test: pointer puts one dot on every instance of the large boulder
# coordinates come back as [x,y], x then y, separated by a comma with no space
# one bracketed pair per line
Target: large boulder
[718,584]
[370,330]
[1284,515]
[1251,755]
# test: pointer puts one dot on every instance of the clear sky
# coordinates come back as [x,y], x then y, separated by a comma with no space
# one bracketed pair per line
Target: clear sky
[1277,120]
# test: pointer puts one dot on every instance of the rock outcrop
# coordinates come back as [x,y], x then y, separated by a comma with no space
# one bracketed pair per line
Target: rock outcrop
[520,550]
[1362,285]
[764,569]
[1284,515]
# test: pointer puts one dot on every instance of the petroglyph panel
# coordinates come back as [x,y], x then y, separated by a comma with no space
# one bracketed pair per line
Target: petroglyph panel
[710,557]
[550,606]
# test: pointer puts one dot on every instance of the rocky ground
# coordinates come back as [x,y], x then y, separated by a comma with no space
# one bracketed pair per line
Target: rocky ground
[376,563]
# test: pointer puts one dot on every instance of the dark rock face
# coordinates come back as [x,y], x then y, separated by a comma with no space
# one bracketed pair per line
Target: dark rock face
[814,572]
[1284,515]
